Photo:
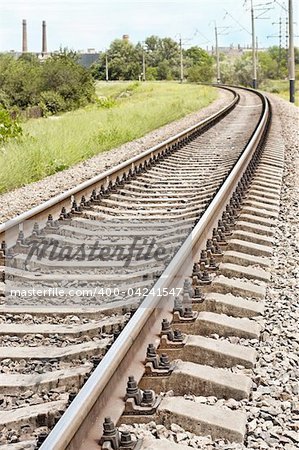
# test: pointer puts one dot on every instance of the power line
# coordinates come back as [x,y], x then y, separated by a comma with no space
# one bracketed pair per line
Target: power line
[235,20]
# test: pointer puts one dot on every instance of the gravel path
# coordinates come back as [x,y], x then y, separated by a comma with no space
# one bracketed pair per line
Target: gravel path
[15,202]
[273,410]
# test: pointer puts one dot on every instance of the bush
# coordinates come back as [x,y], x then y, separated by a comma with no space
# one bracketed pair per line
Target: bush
[151,73]
[51,103]
[62,74]
[57,84]
[4,100]
[274,90]
[200,73]
[9,128]
[105,102]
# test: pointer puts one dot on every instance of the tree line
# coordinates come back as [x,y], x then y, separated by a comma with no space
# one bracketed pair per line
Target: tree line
[162,61]
[57,84]
[272,64]
[33,88]
[60,83]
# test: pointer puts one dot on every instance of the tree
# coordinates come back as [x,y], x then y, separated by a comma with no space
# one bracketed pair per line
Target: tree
[59,80]
[199,64]
[125,60]
[124,63]
[21,80]
[151,73]
[279,57]
[62,74]
[243,70]
[268,67]
[160,50]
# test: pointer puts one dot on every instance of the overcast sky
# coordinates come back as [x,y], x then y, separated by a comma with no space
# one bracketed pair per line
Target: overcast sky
[79,24]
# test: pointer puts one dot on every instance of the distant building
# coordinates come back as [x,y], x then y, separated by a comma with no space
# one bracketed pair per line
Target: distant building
[234,51]
[87,59]
[16,54]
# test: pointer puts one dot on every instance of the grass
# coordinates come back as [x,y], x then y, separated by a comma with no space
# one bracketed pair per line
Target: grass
[125,111]
[281,88]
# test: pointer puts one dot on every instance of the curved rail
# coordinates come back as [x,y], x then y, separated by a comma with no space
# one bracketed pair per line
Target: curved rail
[117,364]
[54,206]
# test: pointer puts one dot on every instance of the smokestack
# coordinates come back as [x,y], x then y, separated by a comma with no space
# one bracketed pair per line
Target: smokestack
[44,43]
[24,37]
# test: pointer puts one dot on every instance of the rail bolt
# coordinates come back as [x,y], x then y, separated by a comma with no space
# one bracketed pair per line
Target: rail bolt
[148,397]
[133,391]
[198,293]
[178,306]
[126,440]
[151,351]
[188,312]
[164,361]
[36,230]
[110,438]
[203,255]
[21,237]
[177,336]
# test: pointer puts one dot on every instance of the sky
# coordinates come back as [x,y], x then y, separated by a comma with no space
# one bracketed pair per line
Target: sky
[80,25]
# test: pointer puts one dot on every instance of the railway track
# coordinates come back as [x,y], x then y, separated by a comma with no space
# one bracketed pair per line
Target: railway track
[213,275]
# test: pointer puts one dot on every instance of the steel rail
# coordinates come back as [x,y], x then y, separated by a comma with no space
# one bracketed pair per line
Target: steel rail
[100,388]
[54,205]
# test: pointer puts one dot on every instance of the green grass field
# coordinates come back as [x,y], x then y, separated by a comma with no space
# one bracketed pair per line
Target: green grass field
[125,111]
[281,88]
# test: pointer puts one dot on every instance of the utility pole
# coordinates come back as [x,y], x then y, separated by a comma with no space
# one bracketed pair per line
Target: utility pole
[254,77]
[217,34]
[291,53]
[107,67]
[257,51]
[280,42]
[182,61]
[280,47]
[143,65]
[217,54]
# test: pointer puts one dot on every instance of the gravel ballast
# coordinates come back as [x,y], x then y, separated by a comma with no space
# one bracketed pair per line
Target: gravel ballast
[273,409]
[20,200]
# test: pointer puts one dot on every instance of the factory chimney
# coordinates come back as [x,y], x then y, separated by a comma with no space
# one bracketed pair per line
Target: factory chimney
[44,40]
[24,37]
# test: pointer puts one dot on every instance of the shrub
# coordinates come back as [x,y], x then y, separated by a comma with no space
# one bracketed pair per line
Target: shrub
[151,73]
[9,128]
[57,84]
[51,103]
[62,74]
[105,102]
[4,100]
[200,73]
[274,90]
